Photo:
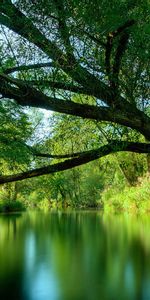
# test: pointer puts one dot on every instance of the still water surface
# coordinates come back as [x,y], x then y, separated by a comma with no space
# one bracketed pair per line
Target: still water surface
[74,256]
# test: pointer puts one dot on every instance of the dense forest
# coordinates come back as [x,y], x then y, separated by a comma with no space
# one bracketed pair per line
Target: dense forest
[74,104]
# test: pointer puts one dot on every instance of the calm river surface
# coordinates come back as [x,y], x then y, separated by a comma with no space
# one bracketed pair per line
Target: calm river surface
[74,256]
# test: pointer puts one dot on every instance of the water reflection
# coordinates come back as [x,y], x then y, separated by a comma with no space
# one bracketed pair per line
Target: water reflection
[74,256]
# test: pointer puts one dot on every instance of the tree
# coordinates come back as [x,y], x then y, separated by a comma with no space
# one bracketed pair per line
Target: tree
[55,50]
[15,131]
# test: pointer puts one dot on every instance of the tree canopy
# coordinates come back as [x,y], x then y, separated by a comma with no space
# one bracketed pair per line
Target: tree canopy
[85,59]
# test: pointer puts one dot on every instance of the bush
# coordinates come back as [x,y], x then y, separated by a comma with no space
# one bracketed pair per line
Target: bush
[44,204]
[130,199]
[11,206]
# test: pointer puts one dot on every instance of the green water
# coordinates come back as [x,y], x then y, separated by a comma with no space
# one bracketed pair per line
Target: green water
[73,256]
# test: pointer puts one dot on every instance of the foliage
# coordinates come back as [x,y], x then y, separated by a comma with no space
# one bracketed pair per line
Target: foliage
[83,60]
[11,206]
[131,199]
[15,130]
[88,64]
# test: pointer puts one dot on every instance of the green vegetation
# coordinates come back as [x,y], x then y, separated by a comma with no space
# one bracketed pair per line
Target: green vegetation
[87,66]
[135,199]
[11,206]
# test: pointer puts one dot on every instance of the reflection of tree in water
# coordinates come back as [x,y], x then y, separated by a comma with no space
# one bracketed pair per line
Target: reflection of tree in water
[109,261]
[11,254]
[129,256]
[8,225]
[87,254]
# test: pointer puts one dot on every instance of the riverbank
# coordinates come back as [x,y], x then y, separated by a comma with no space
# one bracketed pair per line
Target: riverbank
[11,206]
[132,199]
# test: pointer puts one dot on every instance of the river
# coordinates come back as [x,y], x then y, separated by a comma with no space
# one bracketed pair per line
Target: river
[74,256]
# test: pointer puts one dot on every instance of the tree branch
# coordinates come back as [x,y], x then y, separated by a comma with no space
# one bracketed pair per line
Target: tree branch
[28,67]
[112,147]
[59,156]
[26,95]
[109,46]
[120,49]
[121,28]
[20,24]
[11,140]
[95,39]
[64,31]
[58,85]
[118,57]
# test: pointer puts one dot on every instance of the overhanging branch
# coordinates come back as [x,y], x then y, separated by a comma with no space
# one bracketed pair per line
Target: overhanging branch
[26,95]
[112,147]
[10,141]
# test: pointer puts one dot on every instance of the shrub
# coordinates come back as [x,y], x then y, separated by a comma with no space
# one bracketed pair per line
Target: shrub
[11,206]
[130,199]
